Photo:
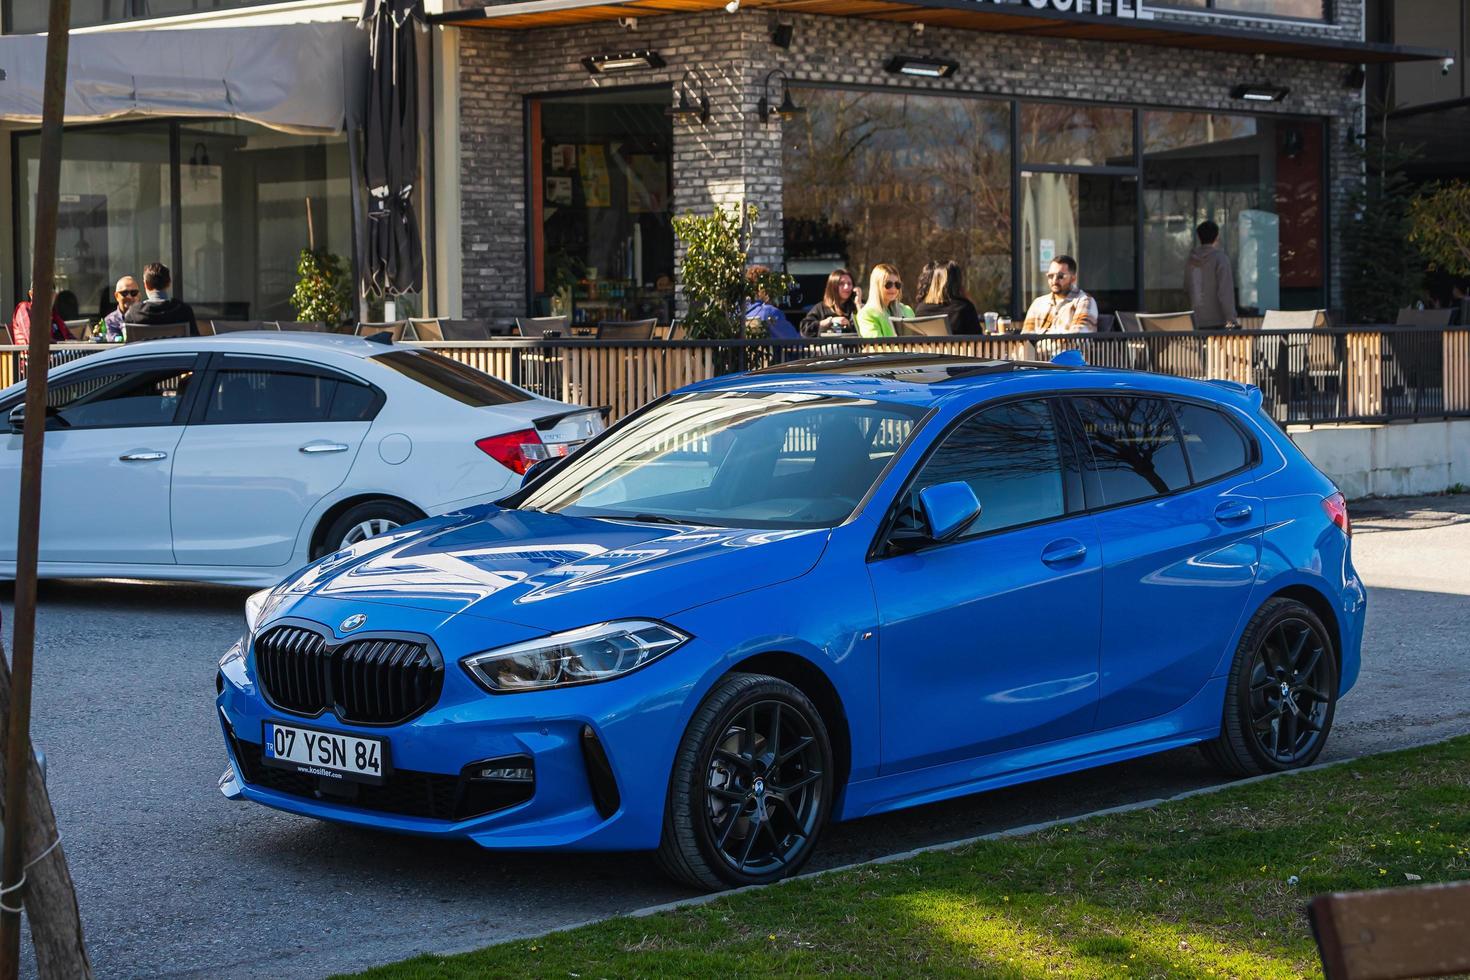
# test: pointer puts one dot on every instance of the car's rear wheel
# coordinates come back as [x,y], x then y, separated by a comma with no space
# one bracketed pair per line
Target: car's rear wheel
[365,520]
[752,786]
[1281,693]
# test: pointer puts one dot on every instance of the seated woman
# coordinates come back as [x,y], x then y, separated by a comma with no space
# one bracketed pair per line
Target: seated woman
[838,308]
[761,308]
[946,297]
[885,300]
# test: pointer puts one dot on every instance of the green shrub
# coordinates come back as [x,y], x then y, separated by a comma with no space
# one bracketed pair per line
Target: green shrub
[322,291]
[717,252]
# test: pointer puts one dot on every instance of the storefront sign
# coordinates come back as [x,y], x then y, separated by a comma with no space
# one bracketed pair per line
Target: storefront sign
[1125,9]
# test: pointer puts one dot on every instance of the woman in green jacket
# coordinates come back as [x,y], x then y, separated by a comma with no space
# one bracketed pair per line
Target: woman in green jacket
[885,290]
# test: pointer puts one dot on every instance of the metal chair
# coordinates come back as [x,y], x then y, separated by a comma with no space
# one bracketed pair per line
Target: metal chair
[626,329]
[1307,364]
[425,328]
[1105,322]
[5,335]
[1182,356]
[1410,317]
[79,328]
[237,326]
[155,331]
[394,329]
[1128,322]
[921,326]
[537,326]
[468,329]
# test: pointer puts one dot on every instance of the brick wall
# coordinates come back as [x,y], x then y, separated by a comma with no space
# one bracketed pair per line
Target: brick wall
[737,157]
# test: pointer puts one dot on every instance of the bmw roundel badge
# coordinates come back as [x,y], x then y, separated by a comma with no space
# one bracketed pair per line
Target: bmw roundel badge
[351,623]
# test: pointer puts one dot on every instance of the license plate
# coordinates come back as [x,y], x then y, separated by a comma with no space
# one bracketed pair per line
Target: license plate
[331,755]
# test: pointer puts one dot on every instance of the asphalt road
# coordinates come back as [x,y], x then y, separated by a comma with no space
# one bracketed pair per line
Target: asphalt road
[174,880]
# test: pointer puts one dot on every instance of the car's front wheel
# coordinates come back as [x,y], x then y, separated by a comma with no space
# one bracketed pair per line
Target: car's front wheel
[365,520]
[752,786]
[1281,693]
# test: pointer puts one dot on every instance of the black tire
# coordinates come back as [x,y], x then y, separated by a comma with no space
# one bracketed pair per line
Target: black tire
[757,759]
[1281,693]
[382,514]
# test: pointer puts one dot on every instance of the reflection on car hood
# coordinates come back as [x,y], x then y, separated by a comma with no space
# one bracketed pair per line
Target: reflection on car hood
[553,572]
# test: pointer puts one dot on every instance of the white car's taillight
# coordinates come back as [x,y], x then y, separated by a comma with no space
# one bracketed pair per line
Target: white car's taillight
[516,451]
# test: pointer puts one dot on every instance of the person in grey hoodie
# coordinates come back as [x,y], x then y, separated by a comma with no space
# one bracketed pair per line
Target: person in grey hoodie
[1209,281]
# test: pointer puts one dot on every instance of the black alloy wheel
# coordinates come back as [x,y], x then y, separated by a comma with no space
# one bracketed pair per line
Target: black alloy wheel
[752,786]
[1281,695]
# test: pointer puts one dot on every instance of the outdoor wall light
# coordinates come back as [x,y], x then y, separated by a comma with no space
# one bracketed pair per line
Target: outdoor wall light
[1354,77]
[1260,93]
[699,109]
[920,65]
[786,110]
[783,33]
[611,64]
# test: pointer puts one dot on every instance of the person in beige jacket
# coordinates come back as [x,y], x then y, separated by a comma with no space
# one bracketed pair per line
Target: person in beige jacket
[1209,281]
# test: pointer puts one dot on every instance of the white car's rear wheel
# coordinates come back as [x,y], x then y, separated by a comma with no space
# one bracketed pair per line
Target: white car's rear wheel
[366,520]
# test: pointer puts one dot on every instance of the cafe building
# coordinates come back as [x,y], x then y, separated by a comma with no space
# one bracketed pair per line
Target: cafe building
[560,138]
[996,133]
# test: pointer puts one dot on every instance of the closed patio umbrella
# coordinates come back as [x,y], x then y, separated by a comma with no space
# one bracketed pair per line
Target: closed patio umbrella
[393,262]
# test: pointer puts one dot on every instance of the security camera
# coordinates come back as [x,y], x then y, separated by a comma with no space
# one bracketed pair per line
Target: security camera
[631,23]
[1446,65]
[917,27]
[732,6]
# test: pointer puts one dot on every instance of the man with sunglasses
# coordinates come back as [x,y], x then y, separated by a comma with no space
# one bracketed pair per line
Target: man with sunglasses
[126,295]
[1065,308]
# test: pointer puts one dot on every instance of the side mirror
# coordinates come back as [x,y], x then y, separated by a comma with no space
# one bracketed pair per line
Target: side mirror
[17,418]
[946,510]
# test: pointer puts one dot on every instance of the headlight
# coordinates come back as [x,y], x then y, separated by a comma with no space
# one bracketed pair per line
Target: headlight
[580,656]
[254,606]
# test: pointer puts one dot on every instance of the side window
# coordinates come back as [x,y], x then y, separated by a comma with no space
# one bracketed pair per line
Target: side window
[144,395]
[1135,447]
[1214,444]
[259,394]
[1010,457]
[353,403]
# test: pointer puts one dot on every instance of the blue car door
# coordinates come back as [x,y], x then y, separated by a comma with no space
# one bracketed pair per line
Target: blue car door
[990,642]
[1180,547]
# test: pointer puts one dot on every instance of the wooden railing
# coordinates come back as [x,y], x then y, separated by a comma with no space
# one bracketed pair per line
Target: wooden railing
[1305,376]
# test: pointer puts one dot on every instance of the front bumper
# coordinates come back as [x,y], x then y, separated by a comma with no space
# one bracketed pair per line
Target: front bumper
[601,756]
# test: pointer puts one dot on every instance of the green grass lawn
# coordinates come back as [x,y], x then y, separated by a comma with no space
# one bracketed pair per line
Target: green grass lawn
[1211,886]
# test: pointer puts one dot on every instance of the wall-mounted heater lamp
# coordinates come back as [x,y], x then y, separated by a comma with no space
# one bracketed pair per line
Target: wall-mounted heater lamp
[1259,93]
[686,110]
[922,66]
[612,64]
[786,110]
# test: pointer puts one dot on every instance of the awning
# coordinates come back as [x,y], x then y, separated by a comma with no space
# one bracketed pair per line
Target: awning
[297,78]
[1013,19]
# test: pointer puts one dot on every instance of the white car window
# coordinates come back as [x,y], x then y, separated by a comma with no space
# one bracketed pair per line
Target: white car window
[133,395]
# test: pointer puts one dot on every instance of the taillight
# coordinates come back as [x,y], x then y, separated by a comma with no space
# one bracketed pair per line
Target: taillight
[516,451]
[1337,512]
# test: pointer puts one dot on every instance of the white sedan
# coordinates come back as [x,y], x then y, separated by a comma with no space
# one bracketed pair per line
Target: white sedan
[239,458]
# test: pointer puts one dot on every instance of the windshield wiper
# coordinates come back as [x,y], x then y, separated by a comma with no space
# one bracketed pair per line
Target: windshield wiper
[649,519]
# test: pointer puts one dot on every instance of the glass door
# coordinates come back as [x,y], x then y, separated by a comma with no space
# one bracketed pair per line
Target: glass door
[1092,218]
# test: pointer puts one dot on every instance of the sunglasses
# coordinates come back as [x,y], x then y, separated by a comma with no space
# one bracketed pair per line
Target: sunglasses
[127,292]
[893,285]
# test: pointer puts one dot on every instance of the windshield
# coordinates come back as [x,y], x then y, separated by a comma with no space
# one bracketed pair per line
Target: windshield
[734,459]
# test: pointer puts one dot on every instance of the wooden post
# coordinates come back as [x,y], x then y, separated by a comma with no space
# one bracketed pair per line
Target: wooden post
[64,955]
[1393,933]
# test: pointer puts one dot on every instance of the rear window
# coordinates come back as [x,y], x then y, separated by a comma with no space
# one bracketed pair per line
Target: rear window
[1135,447]
[452,379]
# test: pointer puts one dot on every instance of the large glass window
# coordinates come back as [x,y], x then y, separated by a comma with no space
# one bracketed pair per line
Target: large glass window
[249,200]
[30,16]
[602,237]
[900,178]
[114,214]
[1260,180]
[1076,135]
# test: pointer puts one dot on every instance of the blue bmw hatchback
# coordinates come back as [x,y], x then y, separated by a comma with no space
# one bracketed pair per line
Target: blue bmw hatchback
[825,590]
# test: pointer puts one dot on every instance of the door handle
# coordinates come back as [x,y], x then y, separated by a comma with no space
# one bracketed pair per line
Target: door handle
[1232,510]
[1063,552]
[144,456]
[312,448]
